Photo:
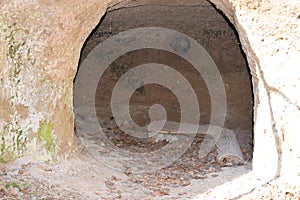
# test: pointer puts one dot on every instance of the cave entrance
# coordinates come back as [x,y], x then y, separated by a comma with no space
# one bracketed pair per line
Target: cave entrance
[209,28]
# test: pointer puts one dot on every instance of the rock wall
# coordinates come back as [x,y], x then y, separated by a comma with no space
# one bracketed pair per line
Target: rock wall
[40,43]
[40,48]
[269,34]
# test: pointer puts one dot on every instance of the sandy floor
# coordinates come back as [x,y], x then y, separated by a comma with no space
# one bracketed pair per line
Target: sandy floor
[85,178]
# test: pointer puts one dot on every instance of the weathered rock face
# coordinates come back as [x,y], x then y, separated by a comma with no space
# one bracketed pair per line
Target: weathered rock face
[271,44]
[40,43]
[40,47]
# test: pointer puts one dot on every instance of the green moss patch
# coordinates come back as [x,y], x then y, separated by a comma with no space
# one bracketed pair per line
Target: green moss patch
[45,135]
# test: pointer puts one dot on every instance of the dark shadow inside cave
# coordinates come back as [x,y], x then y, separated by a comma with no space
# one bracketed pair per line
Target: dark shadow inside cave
[211,30]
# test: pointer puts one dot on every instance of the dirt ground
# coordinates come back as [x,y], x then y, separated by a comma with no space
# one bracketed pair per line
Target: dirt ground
[85,178]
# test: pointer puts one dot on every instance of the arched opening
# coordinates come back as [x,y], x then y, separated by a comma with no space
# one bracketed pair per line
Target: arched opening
[39,55]
[208,27]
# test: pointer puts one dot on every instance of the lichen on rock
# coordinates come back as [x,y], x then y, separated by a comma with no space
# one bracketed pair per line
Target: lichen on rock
[19,91]
[46,138]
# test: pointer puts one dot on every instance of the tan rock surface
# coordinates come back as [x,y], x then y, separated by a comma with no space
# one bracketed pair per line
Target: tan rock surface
[40,44]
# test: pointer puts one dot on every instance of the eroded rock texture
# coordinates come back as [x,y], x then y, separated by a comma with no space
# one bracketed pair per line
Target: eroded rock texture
[40,47]
[40,43]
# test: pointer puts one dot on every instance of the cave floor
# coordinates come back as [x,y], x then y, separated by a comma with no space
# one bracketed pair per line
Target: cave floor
[85,178]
